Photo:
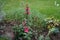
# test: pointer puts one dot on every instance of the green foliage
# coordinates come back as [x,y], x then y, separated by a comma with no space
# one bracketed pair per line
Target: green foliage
[3,38]
[53,30]
[20,34]
[15,15]
[2,15]
[51,25]
[43,38]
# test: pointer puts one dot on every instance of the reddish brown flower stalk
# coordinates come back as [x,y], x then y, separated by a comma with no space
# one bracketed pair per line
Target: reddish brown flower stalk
[27,10]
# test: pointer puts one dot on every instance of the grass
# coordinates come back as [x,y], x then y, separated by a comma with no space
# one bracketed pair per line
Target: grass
[45,7]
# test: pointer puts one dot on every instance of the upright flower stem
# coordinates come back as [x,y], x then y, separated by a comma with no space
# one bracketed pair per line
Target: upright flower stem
[27,13]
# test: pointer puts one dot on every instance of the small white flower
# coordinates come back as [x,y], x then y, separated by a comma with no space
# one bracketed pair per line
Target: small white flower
[57,5]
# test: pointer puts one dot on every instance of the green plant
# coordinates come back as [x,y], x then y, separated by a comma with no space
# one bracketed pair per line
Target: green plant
[51,24]
[3,38]
[20,33]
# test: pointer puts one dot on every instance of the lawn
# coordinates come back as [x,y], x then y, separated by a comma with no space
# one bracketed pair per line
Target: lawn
[45,7]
